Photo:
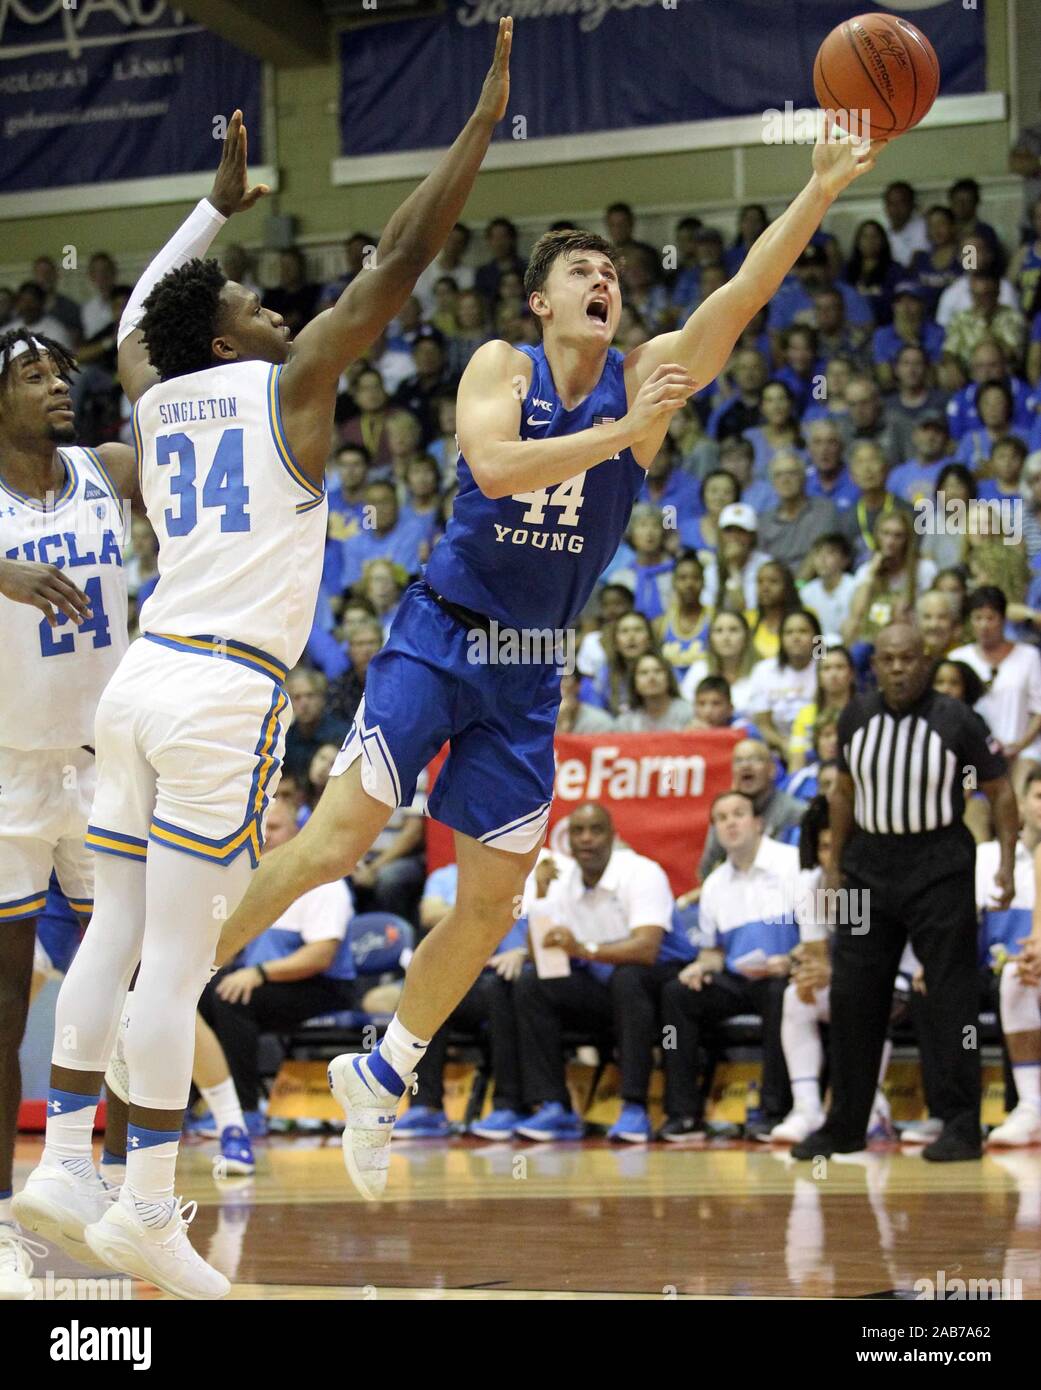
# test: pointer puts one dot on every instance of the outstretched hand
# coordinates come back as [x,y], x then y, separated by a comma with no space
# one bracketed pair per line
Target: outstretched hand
[231,192]
[838,159]
[496,90]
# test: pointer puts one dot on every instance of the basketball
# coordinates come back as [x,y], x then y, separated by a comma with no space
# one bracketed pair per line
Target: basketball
[882,70]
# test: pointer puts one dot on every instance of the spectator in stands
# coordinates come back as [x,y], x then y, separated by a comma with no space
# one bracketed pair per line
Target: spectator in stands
[390,537]
[444,450]
[1032,508]
[813,272]
[142,557]
[1007,462]
[910,328]
[391,875]
[28,312]
[1025,160]
[345,692]
[776,597]
[783,684]
[298,968]
[669,486]
[446,301]
[650,574]
[349,467]
[989,363]
[643,291]
[835,337]
[682,629]
[946,546]
[58,306]
[991,561]
[802,368]
[238,265]
[96,313]
[829,592]
[994,405]
[683,287]
[612,907]
[501,238]
[940,266]
[930,451]
[423,505]
[730,654]
[754,774]
[985,318]
[827,477]
[871,270]
[625,641]
[730,580]
[714,709]
[719,489]
[383,583]
[832,405]
[292,792]
[752,222]
[779,430]
[963,196]
[913,401]
[869,469]
[737,456]
[318,771]
[313,723]
[485,1011]
[747,916]
[621,225]
[889,583]
[575,716]
[294,297]
[472,331]
[740,410]
[1025,267]
[867,419]
[357,248]
[836,686]
[612,601]
[905,228]
[449,262]
[939,623]
[978,259]
[432,379]
[655,705]
[404,445]
[789,531]
[368,425]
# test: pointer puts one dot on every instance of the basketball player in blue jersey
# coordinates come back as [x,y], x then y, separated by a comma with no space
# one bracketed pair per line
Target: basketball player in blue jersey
[554,444]
[232,421]
[62,530]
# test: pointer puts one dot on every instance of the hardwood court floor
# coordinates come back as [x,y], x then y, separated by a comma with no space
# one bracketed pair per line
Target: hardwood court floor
[466,1220]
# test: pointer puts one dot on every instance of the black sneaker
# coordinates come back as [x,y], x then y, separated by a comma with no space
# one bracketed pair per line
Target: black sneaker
[822,1144]
[956,1144]
[681,1130]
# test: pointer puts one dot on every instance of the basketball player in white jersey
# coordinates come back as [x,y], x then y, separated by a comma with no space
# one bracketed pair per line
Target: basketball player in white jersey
[232,422]
[62,531]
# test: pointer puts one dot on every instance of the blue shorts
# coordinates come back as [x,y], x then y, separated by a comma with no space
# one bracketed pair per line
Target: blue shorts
[423,689]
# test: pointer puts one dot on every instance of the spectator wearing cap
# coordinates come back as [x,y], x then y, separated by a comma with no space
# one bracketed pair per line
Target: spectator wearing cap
[870,471]
[827,476]
[911,326]
[737,457]
[835,337]
[989,362]
[788,531]
[931,450]
[985,318]
[905,227]
[740,409]
[913,399]
[501,238]
[432,379]
[730,579]
[357,247]
[813,272]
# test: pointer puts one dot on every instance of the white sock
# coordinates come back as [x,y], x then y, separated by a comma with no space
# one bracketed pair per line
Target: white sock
[401,1049]
[803,1053]
[224,1105]
[6,1214]
[70,1128]
[151,1160]
[1027,1076]
[806,1094]
[113,1169]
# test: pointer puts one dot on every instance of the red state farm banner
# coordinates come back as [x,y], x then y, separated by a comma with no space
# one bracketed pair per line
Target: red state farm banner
[656,787]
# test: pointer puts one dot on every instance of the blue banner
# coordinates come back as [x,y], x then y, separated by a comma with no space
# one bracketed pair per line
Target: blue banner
[606,65]
[114,89]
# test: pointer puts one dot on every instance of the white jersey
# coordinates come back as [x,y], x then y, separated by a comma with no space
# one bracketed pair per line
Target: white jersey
[241,528]
[53,677]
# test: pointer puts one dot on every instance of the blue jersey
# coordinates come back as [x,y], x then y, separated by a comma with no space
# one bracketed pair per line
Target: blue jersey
[533,559]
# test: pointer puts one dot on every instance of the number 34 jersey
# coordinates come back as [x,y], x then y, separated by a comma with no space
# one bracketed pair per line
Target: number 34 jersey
[53,676]
[241,528]
[533,559]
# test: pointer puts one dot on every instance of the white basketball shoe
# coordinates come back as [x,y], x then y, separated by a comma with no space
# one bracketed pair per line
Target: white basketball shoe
[160,1253]
[371,1111]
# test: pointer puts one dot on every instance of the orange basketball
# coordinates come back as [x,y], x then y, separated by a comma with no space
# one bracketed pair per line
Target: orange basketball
[880,69]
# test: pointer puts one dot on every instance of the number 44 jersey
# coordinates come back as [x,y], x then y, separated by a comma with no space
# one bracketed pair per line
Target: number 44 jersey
[53,676]
[241,527]
[533,559]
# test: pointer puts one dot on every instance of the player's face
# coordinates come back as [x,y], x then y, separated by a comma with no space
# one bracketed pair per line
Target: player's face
[582,297]
[254,333]
[35,404]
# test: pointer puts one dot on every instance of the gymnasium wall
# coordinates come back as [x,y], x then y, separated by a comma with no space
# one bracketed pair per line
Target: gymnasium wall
[301,125]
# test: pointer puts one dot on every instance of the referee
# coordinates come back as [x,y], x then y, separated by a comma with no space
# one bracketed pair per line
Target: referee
[906,863]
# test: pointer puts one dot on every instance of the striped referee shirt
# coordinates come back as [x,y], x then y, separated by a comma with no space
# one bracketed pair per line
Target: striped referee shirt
[909,770]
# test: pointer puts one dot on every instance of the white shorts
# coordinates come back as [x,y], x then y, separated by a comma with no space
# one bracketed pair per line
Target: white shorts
[189,735]
[45,797]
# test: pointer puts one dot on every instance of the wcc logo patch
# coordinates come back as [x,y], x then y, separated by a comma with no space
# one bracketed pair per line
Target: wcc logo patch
[92,493]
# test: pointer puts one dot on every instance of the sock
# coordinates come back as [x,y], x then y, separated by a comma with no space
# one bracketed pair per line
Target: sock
[151,1160]
[1027,1076]
[224,1105]
[400,1052]
[70,1126]
[806,1094]
[6,1214]
[113,1169]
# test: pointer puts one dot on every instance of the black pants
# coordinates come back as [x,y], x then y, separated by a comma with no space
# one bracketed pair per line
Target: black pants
[940,918]
[636,993]
[690,1011]
[271,1008]
[488,1003]
[578,1001]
